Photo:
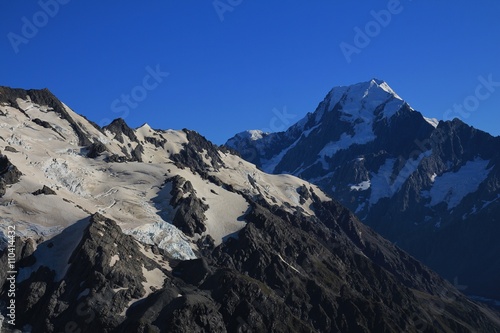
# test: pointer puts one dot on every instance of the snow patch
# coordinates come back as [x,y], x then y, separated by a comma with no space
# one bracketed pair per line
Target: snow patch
[363,186]
[433,177]
[433,121]
[65,176]
[452,187]
[113,260]
[286,263]
[383,183]
[165,236]
[56,252]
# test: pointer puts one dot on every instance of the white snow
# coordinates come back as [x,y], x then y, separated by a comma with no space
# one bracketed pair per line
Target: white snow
[381,181]
[158,258]
[270,165]
[55,253]
[359,103]
[385,185]
[282,188]
[433,121]
[165,236]
[452,187]
[129,193]
[286,263]
[433,177]
[255,134]
[154,280]
[363,186]
[114,260]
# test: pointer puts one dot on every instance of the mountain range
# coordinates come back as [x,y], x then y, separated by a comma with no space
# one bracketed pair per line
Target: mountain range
[146,230]
[431,187]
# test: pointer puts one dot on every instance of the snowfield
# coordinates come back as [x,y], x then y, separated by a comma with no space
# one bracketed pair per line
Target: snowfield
[133,194]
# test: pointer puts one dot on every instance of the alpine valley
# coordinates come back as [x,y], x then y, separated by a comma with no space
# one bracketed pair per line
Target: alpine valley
[146,230]
[431,187]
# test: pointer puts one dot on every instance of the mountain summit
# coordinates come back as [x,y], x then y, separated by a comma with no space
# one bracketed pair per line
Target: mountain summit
[431,187]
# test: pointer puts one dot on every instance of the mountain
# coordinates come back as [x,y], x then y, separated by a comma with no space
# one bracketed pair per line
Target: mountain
[143,230]
[430,187]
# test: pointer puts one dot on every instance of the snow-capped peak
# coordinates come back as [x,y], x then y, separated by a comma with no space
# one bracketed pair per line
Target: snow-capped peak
[145,126]
[252,135]
[384,86]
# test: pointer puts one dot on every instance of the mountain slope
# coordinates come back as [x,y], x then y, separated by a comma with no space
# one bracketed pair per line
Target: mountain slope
[143,230]
[430,187]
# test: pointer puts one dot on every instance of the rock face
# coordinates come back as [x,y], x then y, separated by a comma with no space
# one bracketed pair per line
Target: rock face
[43,97]
[284,273]
[121,129]
[45,190]
[190,213]
[192,238]
[9,174]
[432,188]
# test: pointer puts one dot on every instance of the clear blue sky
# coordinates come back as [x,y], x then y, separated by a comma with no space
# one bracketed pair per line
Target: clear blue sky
[229,75]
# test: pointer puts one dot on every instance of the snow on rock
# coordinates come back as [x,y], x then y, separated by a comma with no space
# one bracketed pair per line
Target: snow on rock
[433,121]
[363,186]
[154,280]
[64,175]
[55,253]
[385,185]
[452,187]
[255,134]
[358,104]
[381,181]
[276,189]
[226,209]
[114,260]
[165,236]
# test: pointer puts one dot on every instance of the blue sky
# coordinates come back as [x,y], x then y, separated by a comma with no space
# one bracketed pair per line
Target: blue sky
[220,67]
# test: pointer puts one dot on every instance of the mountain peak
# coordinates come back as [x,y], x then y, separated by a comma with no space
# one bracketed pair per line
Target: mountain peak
[362,100]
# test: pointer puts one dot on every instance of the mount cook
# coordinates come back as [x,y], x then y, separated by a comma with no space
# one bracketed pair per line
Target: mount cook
[431,187]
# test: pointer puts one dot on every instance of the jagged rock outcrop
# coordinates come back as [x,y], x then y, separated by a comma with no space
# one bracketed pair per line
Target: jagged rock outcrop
[45,190]
[198,154]
[189,216]
[9,174]
[96,149]
[105,272]
[120,128]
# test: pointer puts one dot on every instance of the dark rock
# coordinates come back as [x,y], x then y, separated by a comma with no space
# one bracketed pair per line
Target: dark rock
[191,156]
[190,214]
[42,123]
[120,128]
[158,143]
[114,158]
[49,305]
[192,271]
[137,153]
[11,149]
[9,174]
[96,149]
[45,190]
